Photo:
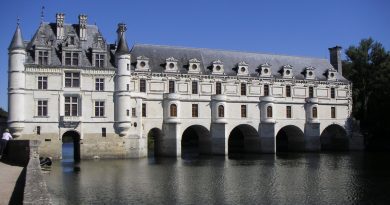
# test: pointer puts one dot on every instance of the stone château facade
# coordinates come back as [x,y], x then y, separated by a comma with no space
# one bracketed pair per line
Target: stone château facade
[67,81]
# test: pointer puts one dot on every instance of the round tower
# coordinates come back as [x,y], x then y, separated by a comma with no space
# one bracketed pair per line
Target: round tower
[16,83]
[122,81]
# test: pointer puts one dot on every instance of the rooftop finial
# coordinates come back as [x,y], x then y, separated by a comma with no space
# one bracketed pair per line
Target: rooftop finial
[17,21]
[42,13]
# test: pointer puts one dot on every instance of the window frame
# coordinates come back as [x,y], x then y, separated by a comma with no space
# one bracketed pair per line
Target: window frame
[269,111]
[332,93]
[333,112]
[311,92]
[244,111]
[221,111]
[99,84]
[314,112]
[173,110]
[99,108]
[71,80]
[43,57]
[243,89]
[42,108]
[218,88]
[195,110]
[288,90]
[72,105]
[143,109]
[171,86]
[266,90]
[42,82]
[288,111]
[194,87]
[100,60]
[142,86]
[71,58]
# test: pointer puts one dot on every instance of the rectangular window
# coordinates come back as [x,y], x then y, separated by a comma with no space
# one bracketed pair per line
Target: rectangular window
[171,86]
[288,111]
[218,88]
[127,87]
[194,110]
[143,110]
[288,91]
[38,130]
[43,57]
[42,108]
[72,80]
[142,86]
[99,84]
[72,58]
[128,67]
[332,93]
[266,90]
[243,110]
[133,112]
[99,108]
[127,112]
[333,112]
[104,132]
[194,87]
[311,92]
[42,82]
[243,89]
[71,106]
[99,60]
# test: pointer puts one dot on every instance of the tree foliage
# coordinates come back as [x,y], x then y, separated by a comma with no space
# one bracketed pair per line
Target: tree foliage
[368,67]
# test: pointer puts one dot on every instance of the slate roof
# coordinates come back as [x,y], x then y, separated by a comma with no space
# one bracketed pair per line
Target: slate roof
[158,54]
[45,36]
[17,40]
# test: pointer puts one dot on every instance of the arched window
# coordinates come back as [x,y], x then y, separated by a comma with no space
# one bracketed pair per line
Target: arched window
[269,111]
[314,112]
[221,111]
[173,110]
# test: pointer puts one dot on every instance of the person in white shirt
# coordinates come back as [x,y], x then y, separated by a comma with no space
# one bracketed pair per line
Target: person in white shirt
[6,136]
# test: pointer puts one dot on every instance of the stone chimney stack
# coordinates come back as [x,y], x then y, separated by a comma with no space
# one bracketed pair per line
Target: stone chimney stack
[335,58]
[83,27]
[60,17]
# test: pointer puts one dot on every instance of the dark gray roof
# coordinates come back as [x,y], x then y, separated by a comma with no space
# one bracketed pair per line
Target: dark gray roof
[158,54]
[46,37]
[17,40]
[122,48]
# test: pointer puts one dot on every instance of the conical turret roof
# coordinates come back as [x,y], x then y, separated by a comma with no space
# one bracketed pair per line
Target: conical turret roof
[122,48]
[17,40]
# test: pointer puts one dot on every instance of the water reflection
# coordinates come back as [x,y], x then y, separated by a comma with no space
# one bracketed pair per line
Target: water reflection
[338,178]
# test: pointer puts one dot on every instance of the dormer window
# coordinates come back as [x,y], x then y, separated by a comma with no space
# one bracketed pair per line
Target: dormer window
[71,58]
[331,74]
[242,68]
[194,66]
[287,71]
[42,57]
[71,40]
[218,67]
[142,64]
[171,65]
[265,70]
[100,60]
[309,73]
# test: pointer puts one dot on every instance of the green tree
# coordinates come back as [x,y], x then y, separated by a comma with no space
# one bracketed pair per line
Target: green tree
[368,67]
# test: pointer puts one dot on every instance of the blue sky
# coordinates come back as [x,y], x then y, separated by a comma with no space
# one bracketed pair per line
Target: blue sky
[300,27]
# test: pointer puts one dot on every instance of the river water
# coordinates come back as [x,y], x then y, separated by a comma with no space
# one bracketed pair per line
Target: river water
[294,178]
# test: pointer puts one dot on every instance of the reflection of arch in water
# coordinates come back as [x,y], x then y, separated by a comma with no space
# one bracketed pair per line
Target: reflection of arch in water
[71,146]
[290,138]
[243,139]
[196,140]
[154,142]
[334,137]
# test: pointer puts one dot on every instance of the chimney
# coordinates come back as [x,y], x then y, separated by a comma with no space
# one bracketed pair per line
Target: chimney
[60,17]
[121,30]
[83,27]
[335,58]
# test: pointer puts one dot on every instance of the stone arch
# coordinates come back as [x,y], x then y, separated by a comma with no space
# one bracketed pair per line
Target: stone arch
[154,142]
[334,137]
[290,138]
[196,140]
[243,139]
[71,146]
